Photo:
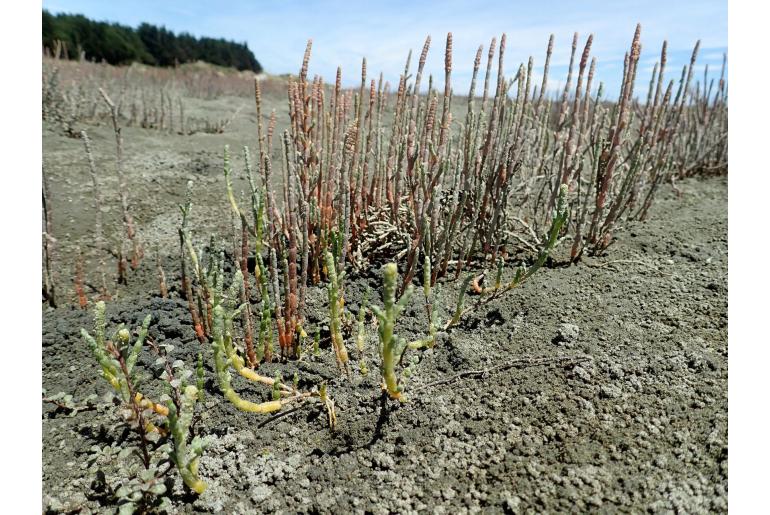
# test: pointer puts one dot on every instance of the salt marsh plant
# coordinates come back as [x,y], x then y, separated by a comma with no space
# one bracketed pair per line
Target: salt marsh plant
[361,334]
[117,358]
[100,242]
[523,171]
[225,357]
[393,347]
[163,288]
[428,192]
[459,195]
[225,308]
[180,401]
[523,273]
[186,249]
[387,171]
[243,263]
[80,292]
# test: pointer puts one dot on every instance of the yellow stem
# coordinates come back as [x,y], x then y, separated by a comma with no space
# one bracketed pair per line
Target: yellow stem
[249,374]
[263,407]
[147,403]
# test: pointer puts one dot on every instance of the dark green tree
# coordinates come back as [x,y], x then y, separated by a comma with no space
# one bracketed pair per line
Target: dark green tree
[120,44]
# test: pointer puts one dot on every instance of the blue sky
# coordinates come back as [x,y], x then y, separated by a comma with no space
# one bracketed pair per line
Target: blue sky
[343,32]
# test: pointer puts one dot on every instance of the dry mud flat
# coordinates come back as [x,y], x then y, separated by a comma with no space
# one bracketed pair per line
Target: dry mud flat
[596,387]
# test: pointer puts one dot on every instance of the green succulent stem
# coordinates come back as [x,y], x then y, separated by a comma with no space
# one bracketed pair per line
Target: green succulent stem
[391,346]
[111,369]
[224,357]
[336,303]
[186,457]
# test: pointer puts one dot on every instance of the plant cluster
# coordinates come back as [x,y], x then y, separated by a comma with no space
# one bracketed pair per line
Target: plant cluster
[118,358]
[161,107]
[426,192]
[521,174]
[438,198]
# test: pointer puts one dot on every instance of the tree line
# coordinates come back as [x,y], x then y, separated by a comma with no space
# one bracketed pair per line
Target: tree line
[120,44]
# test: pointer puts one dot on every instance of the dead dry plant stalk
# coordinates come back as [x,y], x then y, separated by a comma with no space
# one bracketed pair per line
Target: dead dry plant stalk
[49,284]
[128,220]
[79,288]
[99,242]
[185,247]
[161,275]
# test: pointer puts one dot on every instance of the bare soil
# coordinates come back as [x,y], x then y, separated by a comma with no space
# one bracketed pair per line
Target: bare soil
[597,387]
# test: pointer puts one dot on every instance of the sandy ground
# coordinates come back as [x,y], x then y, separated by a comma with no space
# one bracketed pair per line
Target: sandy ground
[595,387]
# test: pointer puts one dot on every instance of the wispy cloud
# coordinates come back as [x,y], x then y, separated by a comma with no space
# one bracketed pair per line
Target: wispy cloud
[344,32]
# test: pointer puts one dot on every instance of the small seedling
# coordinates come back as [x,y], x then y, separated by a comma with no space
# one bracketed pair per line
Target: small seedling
[143,491]
[65,402]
